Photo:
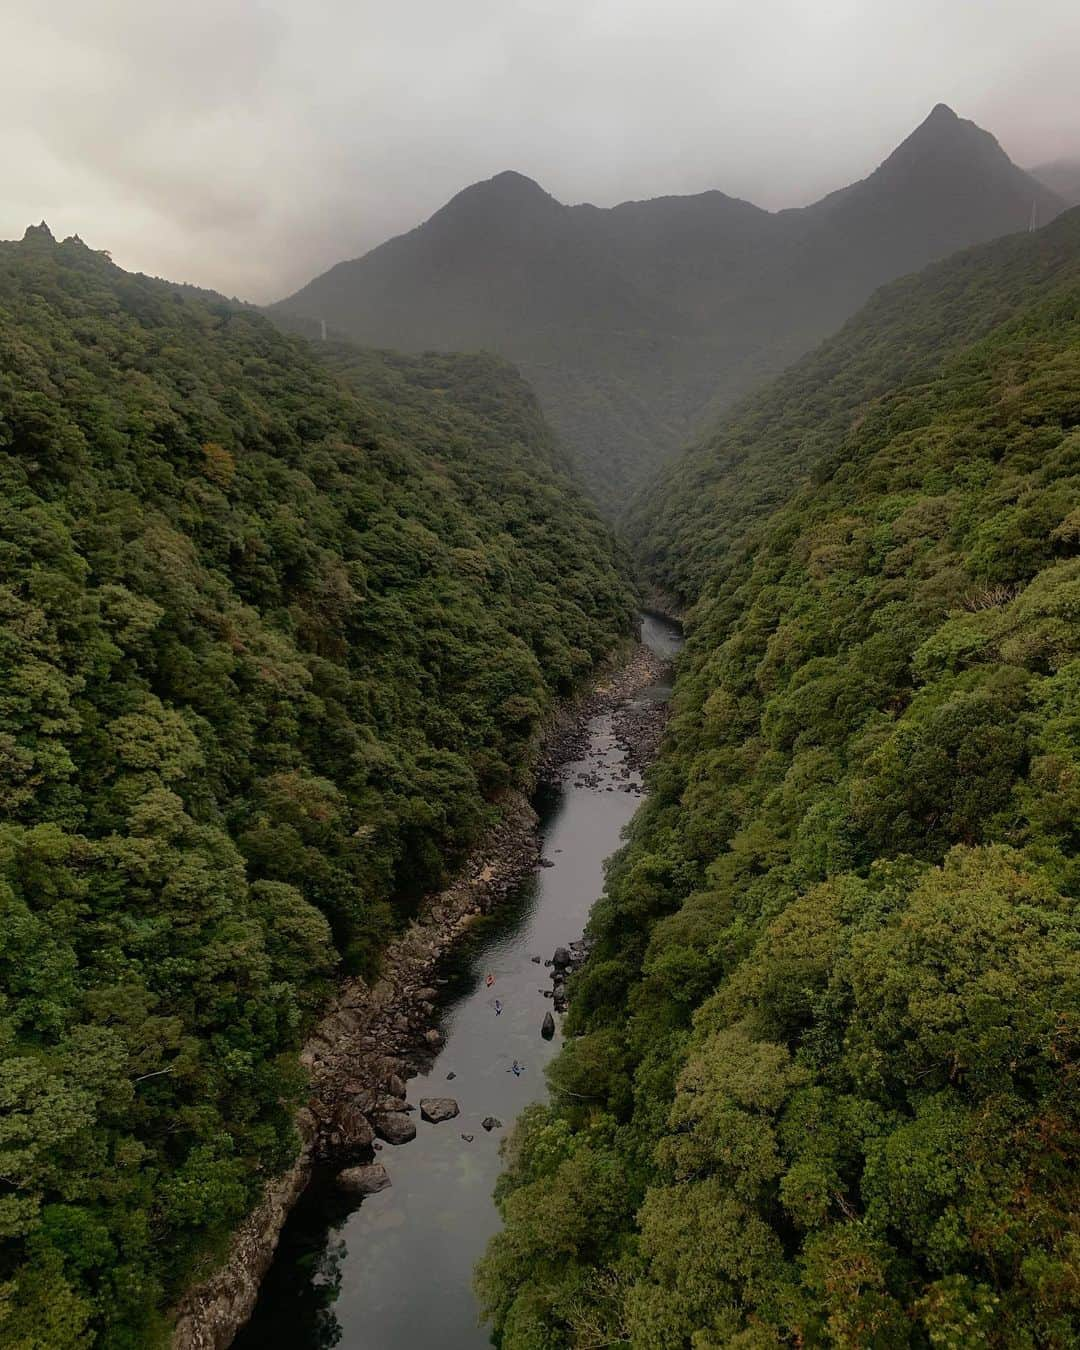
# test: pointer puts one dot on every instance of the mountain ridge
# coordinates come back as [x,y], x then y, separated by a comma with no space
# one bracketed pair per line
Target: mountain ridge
[637,321]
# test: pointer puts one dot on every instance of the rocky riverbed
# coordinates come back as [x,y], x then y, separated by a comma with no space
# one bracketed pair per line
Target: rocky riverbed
[375,1037]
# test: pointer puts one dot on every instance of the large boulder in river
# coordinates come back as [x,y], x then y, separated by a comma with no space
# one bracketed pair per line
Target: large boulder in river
[393,1126]
[436,1109]
[367,1180]
[349,1128]
[547,1027]
[561,959]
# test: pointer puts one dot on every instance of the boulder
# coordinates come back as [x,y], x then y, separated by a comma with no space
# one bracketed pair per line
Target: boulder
[350,1128]
[437,1109]
[367,1180]
[547,1027]
[427,994]
[433,1038]
[393,1126]
[561,959]
[491,1123]
[395,1086]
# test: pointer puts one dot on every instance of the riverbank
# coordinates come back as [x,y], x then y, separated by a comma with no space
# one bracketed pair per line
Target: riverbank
[374,1037]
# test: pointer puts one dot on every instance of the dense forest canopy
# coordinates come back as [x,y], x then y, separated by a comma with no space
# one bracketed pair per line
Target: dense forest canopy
[277,630]
[636,322]
[821,1082]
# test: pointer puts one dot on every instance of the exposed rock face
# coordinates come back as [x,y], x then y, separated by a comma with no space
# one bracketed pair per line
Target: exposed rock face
[437,1109]
[393,1126]
[367,1180]
[211,1314]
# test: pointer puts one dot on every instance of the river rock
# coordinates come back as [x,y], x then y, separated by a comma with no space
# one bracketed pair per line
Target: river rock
[468,1138]
[393,1126]
[561,959]
[450,1076]
[367,1180]
[437,1109]
[491,1123]
[547,1027]
[395,1086]
[427,994]
[349,1127]
[535,960]
[433,1037]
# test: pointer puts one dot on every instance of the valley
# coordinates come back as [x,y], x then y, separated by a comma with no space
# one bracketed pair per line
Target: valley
[412,934]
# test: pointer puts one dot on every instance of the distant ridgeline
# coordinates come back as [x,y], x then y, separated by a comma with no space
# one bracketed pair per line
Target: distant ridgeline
[273,637]
[822,1086]
[636,323]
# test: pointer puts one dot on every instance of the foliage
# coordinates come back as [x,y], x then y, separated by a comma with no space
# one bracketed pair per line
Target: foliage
[829,1033]
[275,635]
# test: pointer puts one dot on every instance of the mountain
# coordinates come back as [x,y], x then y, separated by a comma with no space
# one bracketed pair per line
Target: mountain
[698,513]
[1062,177]
[279,628]
[634,323]
[818,1085]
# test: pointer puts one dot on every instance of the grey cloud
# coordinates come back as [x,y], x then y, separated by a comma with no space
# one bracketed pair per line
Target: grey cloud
[248,145]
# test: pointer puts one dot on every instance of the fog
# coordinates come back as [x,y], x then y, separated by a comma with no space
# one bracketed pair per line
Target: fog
[248,145]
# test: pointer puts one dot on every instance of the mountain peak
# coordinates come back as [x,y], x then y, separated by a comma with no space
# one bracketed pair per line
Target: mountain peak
[941,113]
[508,191]
[39,232]
[944,139]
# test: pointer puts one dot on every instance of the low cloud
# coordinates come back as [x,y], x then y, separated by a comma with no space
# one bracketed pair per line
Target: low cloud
[247,146]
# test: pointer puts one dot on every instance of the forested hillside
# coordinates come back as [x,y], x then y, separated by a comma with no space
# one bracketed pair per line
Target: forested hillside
[274,636]
[634,323]
[821,1082]
[685,526]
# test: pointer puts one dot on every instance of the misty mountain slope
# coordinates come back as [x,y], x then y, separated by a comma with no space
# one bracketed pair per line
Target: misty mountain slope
[819,1085]
[1062,177]
[275,636]
[634,323]
[684,523]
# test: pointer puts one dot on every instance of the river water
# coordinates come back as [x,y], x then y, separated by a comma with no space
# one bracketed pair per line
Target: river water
[396,1272]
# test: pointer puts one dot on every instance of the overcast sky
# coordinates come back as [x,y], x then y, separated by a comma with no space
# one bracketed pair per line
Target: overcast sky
[249,144]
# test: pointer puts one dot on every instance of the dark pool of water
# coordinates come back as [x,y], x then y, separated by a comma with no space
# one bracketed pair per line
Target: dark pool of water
[396,1272]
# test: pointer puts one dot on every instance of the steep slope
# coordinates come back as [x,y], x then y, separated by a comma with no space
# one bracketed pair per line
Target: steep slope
[1062,177]
[275,637]
[683,526]
[820,1082]
[632,323]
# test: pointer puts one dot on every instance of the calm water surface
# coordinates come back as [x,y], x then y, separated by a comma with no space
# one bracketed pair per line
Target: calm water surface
[396,1273]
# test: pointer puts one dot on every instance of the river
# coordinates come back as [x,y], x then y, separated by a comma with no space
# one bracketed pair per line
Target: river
[396,1272]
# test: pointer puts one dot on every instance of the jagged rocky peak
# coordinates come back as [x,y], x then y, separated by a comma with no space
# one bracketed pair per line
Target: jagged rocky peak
[41,232]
